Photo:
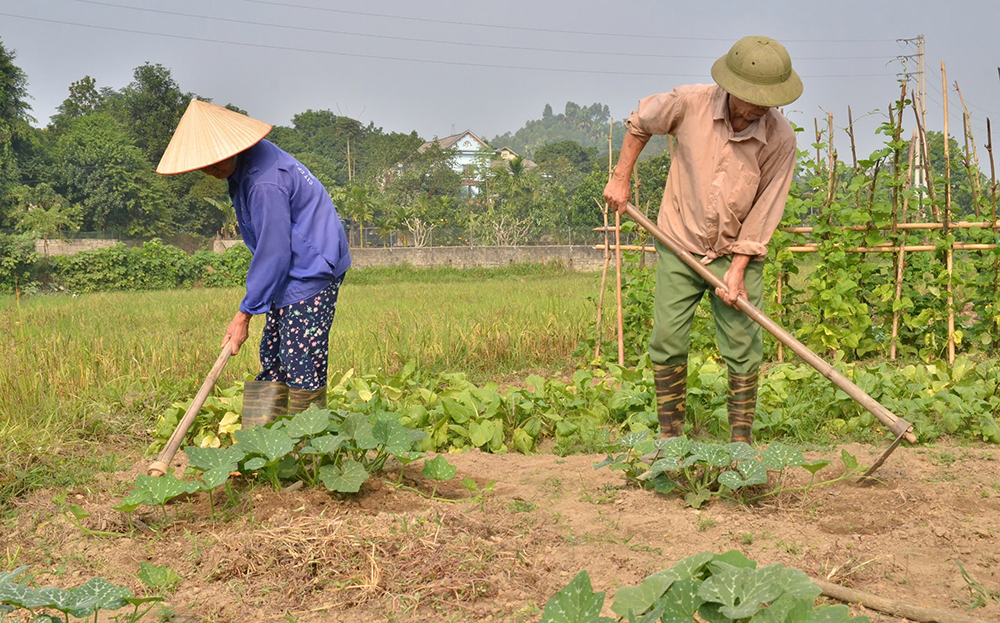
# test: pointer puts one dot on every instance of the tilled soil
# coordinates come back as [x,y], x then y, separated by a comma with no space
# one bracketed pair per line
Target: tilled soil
[497,554]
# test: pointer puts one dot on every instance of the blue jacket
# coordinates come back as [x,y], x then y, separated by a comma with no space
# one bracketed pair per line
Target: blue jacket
[289,223]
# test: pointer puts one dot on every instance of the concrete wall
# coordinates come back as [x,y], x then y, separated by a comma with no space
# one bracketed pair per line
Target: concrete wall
[220,246]
[582,258]
[69,247]
[575,257]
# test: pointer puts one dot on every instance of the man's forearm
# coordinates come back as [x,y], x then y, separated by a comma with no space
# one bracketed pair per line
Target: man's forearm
[740,263]
[632,146]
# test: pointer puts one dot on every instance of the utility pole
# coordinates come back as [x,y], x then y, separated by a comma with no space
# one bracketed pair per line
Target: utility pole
[920,79]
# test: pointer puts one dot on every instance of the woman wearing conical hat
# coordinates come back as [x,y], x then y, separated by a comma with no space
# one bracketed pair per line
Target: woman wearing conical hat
[300,253]
[724,198]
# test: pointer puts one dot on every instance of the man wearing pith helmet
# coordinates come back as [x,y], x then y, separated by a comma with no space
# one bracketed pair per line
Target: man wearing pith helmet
[300,253]
[725,195]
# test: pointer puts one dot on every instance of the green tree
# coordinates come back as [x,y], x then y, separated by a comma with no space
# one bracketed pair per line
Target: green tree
[106,174]
[358,204]
[44,213]
[15,129]
[83,99]
[151,107]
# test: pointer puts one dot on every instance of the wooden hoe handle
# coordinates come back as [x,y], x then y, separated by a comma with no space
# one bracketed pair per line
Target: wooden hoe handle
[896,424]
[159,467]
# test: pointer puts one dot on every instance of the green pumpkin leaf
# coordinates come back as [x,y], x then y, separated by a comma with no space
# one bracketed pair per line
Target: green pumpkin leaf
[215,477]
[742,591]
[158,491]
[747,473]
[778,456]
[347,478]
[741,451]
[325,444]
[575,603]
[162,579]
[211,458]
[254,464]
[716,456]
[696,499]
[439,469]
[393,436]
[630,440]
[734,558]
[815,466]
[98,594]
[21,595]
[273,444]
[639,599]
[850,462]
[357,426]
[796,583]
[312,421]
[682,601]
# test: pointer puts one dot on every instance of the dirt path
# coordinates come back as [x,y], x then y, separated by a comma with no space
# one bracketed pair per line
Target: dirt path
[391,554]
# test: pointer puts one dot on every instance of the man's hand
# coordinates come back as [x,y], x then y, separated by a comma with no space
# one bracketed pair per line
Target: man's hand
[237,331]
[734,281]
[617,192]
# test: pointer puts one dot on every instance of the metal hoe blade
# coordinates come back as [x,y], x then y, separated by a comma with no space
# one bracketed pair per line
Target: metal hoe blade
[900,429]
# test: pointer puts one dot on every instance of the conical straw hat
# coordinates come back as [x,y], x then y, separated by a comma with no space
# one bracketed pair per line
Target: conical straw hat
[208,134]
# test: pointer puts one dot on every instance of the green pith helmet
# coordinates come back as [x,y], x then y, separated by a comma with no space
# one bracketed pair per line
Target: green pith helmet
[758,70]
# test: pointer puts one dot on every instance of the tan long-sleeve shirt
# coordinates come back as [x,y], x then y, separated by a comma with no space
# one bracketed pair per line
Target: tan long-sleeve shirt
[726,190]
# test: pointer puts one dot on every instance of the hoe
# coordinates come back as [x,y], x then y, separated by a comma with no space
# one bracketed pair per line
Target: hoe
[159,467]
[898,426]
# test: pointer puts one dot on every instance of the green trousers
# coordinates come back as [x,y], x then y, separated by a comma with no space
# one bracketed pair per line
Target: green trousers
[679,289]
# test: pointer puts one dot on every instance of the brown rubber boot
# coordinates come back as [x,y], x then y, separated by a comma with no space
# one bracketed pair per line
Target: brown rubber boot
[671,393]
[300,399]
[742,404]
[263,402]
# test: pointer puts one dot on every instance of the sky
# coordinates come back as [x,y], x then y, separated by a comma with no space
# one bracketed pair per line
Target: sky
[443,66]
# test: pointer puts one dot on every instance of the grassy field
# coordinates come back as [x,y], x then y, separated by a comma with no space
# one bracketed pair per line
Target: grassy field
[101,367]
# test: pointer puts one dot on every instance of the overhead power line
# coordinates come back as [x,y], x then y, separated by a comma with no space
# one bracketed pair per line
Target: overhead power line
[395,58]
[328,31]
[629,35]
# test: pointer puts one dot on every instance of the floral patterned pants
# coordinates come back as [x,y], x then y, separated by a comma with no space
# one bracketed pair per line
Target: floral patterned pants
[295,346]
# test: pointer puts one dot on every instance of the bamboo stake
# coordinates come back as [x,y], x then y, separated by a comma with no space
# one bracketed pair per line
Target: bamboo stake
[898,426]
[928,175]
[947,217]
[618,278]
[953,225]
[781,314]
[618,267]
[901,258]
[886,247]
[818,137]
[635,193]
[607,250]
[891,606]
[604,281]
[970,138]
[993,198]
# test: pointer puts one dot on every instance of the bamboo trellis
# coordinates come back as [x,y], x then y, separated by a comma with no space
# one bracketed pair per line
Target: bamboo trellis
[941,224]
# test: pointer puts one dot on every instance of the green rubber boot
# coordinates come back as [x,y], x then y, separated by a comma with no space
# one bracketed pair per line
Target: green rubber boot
[671,393]
[300,399]
[263,402]
[742,403]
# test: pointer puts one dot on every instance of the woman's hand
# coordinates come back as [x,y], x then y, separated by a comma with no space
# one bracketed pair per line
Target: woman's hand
[237,331]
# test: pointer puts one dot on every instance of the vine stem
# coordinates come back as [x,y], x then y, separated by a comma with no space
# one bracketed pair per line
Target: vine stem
[845,476]
[421,493]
